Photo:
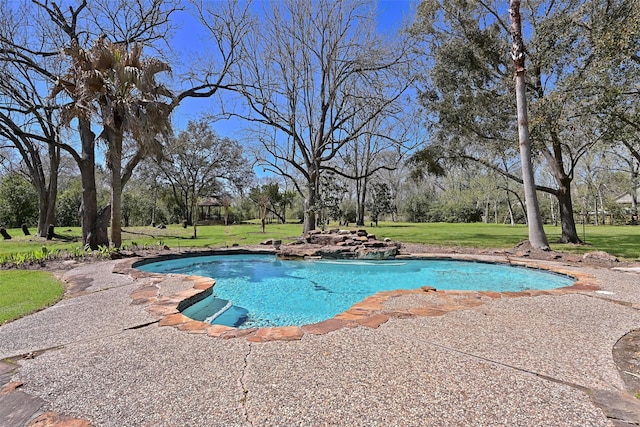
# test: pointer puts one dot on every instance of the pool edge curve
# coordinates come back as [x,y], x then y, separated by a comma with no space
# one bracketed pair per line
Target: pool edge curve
[369,312]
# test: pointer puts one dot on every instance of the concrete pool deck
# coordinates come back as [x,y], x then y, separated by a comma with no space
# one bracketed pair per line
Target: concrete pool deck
[101,356]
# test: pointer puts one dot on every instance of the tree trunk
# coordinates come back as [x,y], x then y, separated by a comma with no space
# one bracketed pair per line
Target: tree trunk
[361,195]
[310,202]
[43,209]
[47,197]
[601,201]
[54,165]
[47,192]
[634,192]
[194,214]
[512,221]
[115,163]
[523,207]
[102,223]
[485,218]
[596,207]
[360,215]
[89,207]
[567,222]
[309,211]
[563,193]
[520,202]
[187,215]
[263,216]
[537,236]
[5,235]
[50,217]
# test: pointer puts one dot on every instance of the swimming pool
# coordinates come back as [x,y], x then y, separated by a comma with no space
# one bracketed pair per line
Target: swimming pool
[263,291]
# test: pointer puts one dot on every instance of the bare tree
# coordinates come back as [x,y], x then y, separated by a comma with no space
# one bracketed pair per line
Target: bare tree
[199,163]
[313,77]
[27,119]
[381,146]
[61,40]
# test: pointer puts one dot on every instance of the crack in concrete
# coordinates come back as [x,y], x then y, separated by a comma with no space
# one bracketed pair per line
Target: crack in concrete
[608,409]
[622,422]
[506,365]
[38,352]
[140,326]
[243,386]
[73,291]
[35,353]
[611,300]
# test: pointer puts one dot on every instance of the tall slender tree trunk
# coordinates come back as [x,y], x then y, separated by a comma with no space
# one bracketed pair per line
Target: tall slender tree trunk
[361,197]
[634,191]
[284,214]
[553,214]
[510,209]
[537,236]
[601,201]
[597,208]
[194,214]
[485,217]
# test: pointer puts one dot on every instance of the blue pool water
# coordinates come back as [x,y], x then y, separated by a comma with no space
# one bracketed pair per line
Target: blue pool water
[260,290]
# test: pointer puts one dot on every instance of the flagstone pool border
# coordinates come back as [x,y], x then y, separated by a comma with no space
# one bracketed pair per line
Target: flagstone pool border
[369,312]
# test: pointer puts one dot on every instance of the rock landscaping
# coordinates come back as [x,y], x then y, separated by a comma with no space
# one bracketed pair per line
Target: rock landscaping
[340,244]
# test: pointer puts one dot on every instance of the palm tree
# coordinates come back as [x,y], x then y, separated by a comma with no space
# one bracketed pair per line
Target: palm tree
[537,236]
[119,86]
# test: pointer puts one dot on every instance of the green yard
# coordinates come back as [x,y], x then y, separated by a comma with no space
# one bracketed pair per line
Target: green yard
[622,241]
[23,292]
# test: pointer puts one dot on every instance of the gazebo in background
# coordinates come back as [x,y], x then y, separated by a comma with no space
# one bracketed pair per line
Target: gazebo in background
[630,205]
[210,210]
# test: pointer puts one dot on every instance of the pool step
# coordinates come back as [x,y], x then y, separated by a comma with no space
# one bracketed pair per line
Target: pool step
[213,317]
[224,312]
[233,316]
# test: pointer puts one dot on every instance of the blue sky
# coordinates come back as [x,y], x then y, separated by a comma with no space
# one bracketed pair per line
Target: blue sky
[391,14]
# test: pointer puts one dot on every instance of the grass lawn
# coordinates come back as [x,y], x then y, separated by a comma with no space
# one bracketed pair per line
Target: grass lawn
[23,292]
[622,241]
[173,236]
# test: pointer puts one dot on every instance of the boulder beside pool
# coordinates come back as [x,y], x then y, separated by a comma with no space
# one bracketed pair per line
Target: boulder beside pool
[340,244]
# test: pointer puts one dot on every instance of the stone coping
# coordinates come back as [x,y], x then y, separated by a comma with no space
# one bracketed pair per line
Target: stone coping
[369,312]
